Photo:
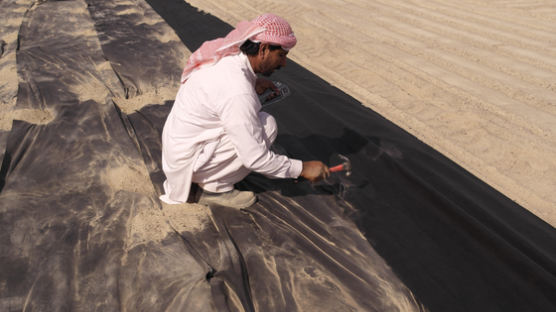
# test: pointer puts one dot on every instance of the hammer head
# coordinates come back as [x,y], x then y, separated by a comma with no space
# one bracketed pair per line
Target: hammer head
[346,164]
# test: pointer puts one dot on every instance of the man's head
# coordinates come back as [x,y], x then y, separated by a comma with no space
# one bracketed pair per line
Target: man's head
[265,58]
[268,36]
[268,49]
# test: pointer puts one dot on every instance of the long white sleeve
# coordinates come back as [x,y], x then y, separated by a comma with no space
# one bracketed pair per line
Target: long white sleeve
[239,117]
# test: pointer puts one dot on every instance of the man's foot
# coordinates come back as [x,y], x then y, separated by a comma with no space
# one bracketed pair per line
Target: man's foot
[234,198]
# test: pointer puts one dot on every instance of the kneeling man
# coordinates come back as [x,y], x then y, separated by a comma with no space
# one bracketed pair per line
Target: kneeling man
[216,134]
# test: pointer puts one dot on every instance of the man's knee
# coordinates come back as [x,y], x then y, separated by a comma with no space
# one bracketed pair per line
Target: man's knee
[270,126]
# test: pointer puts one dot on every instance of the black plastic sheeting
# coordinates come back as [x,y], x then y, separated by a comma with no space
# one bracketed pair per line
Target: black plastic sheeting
[409,230]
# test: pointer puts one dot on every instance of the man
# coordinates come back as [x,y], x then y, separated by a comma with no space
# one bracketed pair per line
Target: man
[215,134]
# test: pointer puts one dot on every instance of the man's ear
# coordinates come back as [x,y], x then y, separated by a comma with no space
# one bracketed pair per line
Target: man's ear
[263,48]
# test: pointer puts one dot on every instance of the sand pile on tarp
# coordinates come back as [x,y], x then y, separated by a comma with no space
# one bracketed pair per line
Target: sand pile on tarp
[82,228]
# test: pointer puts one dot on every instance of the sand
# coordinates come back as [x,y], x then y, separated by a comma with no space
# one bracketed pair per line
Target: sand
[476,80]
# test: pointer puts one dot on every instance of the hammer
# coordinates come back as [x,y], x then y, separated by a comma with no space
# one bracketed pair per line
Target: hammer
[344,166]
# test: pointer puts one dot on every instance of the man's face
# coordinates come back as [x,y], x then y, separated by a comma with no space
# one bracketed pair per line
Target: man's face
[274,59]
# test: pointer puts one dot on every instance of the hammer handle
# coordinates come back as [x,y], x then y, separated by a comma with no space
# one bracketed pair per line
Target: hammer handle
[336,168]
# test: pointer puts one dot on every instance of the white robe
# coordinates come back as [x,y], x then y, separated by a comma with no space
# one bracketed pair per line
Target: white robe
[216,101]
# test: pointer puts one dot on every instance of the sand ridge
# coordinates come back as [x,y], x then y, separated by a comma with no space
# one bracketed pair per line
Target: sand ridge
[474,80]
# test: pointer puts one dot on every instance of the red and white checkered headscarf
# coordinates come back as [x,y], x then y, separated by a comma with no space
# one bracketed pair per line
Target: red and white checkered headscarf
[267,28]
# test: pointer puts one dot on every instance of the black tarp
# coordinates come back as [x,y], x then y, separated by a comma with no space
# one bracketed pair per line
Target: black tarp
[82,228]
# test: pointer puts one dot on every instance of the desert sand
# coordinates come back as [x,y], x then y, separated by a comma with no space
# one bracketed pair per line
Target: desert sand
[476,80]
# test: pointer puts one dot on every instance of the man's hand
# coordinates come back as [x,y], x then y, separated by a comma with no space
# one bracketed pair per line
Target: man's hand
[262,84]
[314,170]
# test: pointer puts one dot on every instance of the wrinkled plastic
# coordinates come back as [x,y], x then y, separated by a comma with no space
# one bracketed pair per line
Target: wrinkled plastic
[82,227]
